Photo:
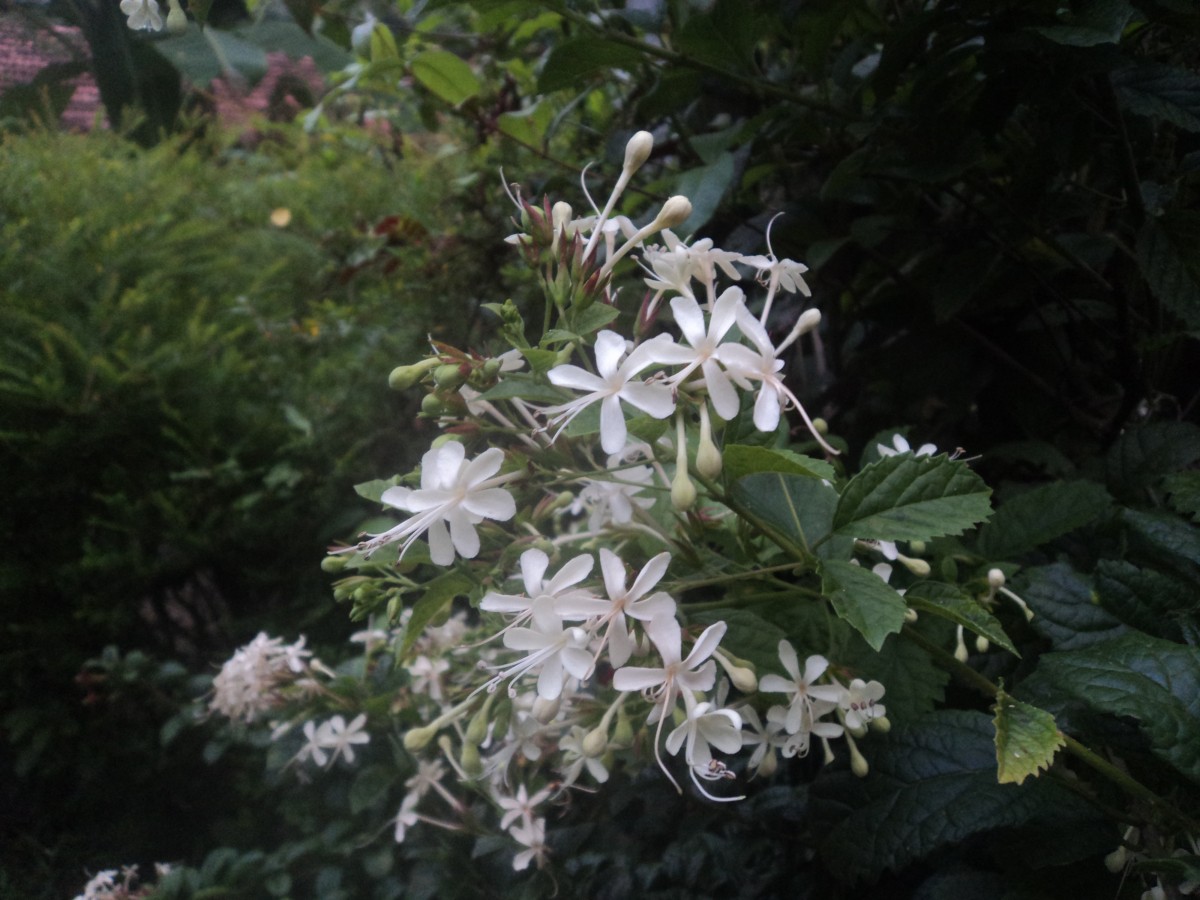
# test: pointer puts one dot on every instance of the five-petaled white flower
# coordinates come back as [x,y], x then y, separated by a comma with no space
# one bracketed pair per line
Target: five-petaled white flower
[143,14]
[613,385]
[453,493]
[900,445]
[335,736]
[806,694]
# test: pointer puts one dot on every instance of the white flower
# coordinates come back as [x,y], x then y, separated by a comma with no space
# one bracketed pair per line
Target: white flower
[695,673]
[613,502]
[427,676]
[704,726]
[249,683]
[860,703]
[559,588]
[807,696]
[336,736]
[453,493]
[577,758]
[625,602]
[533,837]
[520,806]
[678,264]
[406,818]
[768,737]
[143,14]
[551,648]
[900,445]
[612,386]
[100,887]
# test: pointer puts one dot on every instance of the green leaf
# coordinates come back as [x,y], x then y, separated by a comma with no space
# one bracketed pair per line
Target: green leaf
[1097,22]
[1153,681]
[528,126]
[914,684]
[370,787]
[439,594]
[1141,456]
[863,599]
[743,460]
[911,498]
[931,783]
[277,35]
[593,318]
[1038,516]
[798,507]
[526,387]
[201,54]
[705,187]
[446,76]
[1184,490]
[949,601]
[1165,253]
[1026,739]
[1163,538]
[1160,92]
[574,61]
[1148,600]
[1065,610]
[373,490]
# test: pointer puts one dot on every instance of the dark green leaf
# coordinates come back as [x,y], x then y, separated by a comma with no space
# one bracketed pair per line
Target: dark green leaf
[1026,739]
[1160,92]
[949,601]
[370,786]
[1038,516]
[863,599]
[911,498]
[1151,601]
[527,387]
[439,594]
[1141,456]
[914,684]
[593,318]
[574,61]
[796,506]
[276,35]
[1065,610]
[705,188]
[1165,539]
[1184,489]
[446,76]
[201,55]
[1140,677]
[1165,252]
[931,784]
[1096,22]
[743,460]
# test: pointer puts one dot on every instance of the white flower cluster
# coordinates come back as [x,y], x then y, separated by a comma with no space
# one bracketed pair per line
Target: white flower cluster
[250,682]
[147,15]
[111,884]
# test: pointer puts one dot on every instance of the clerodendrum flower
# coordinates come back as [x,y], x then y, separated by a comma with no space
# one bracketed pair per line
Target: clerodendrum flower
[143,14]
[453,493]
[610,387]
[705,342]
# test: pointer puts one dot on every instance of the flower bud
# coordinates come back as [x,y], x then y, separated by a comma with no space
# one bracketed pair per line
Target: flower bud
[683,491]
[623,734]
[333,564]
[960,647]
[595,742]
[637,151]
[741,674]
[404,377]
[918,567]
[470,760]
[478,726]
[995,578]
[449,376]
[545,710]
[881,724]
[417,739]
[176,18]
[982,644]
[674,212]
[768,765]
[858,764]
[820,426]
[917,547]
[1115,861]
[708,455]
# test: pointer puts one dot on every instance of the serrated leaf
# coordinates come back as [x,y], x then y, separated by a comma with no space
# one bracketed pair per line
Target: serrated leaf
[1038,516]
[914,684]
[446,76]
[863,599]
[1148,600]
[743,460]
[1141,456]
[1166,258]
[1137,676]
[1026,739]
[1160,92]
[439,594]
[949,601]
[1065,610]
[1184,491]
[1165,539]
[573,61]
[798,507]
[593,318]
[910,498]
[931,784]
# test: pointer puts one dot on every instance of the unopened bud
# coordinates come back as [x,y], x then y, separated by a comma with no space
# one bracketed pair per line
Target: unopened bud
[545,710]
[595,742]
[708,455]
[674,212]
[820,426]
[333,564]
[1115,861]
[637,151]
[477,728]
[918,567]
[432,405]
[982,644]
[858,763]
[623,734]
[960,647]
[917,547]
[417,739]
[995,578]
[881,724]
[176,18]
[683,491]
[768,765]
[910,615]
[741,673]
[470,760]
[449,376]
[404,377]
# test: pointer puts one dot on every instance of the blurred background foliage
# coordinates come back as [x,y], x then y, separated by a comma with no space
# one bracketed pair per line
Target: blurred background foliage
[997,200]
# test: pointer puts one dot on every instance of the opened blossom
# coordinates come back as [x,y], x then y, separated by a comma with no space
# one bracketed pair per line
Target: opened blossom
[143,14]
[454,497]
[613,384]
